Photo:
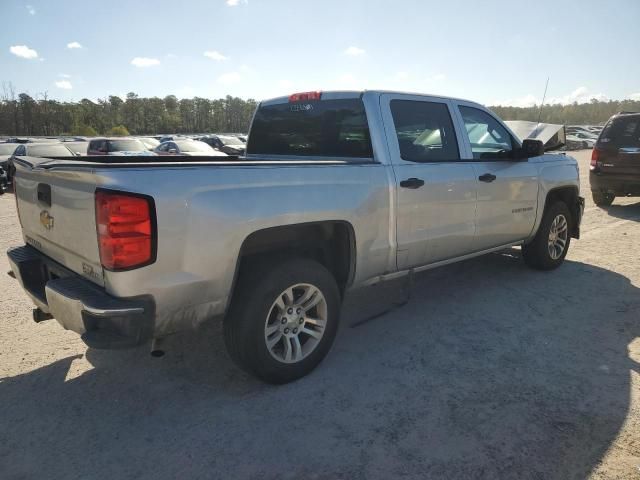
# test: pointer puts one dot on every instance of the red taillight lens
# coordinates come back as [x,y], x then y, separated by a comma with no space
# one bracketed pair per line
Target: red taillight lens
[126,230]
[300,97]
[595,158]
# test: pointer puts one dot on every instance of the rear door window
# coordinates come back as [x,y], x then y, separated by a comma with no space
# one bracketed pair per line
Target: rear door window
[425,131]
[318,128]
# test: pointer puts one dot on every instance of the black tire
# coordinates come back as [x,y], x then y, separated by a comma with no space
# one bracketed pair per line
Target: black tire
[537,253]
[244,326]
[602,199]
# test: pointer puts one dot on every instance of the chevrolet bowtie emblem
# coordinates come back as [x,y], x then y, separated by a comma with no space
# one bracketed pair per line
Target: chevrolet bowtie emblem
[46,220]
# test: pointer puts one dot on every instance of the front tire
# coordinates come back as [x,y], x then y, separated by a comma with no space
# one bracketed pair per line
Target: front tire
[551,243]
[283,319]
[602,199]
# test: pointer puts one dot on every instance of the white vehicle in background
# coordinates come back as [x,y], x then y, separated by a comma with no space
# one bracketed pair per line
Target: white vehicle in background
[587,140]
[187,147]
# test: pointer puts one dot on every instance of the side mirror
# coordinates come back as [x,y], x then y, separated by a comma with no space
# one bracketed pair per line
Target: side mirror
[531,148]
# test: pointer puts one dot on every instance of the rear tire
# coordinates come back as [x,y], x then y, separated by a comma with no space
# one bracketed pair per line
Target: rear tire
[551,243]
[283,319]
[602,199]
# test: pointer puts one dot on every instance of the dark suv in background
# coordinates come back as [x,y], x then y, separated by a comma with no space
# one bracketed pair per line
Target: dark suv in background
[615,160]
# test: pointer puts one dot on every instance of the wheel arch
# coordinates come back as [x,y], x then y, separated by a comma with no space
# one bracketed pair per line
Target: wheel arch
[332,243]
[570,195]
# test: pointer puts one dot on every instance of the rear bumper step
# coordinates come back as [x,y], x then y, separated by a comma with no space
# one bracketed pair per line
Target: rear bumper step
[103,321]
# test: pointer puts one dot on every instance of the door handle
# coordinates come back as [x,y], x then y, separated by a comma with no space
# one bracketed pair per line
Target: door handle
[412,183]
[487,178]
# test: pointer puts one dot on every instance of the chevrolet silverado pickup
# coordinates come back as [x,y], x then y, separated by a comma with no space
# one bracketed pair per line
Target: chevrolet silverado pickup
[337,190]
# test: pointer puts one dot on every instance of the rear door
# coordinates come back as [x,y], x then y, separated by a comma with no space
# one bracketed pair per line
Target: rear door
[507,188]
[436,189]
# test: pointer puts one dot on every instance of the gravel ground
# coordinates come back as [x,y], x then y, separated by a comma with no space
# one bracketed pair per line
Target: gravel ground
[491,371]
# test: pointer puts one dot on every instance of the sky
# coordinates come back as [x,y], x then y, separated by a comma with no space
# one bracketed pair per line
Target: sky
[497,52]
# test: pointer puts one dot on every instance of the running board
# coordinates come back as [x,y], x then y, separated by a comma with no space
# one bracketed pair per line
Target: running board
[441,263]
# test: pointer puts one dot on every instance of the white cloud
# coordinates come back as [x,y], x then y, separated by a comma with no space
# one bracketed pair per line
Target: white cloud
[73,45]
[64,75]
[142,62]
[215,55]
[235,3]
[23,51]
[634,96]
[229,78]
[400,76]
[354,51]
[64,84]
[438,77]
[285,84]
[31,10]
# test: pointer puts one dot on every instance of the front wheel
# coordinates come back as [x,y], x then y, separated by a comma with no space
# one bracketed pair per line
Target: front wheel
[551,243]
[283,319]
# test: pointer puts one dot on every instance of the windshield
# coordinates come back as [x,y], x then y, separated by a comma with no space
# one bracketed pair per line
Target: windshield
[48,151]
[623,131]
[129,145]
[150,143]
[193,146]
[77,147]
[231,141]
[7,148]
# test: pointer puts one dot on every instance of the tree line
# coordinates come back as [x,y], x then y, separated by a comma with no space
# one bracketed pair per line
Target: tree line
[23,115]
[592,113]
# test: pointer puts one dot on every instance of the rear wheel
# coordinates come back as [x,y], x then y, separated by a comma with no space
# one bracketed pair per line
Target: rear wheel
[551,243]
[283,319]
[602,199]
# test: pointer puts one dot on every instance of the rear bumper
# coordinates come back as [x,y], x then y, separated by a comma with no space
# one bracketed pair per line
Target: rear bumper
[616,184]
[103,321]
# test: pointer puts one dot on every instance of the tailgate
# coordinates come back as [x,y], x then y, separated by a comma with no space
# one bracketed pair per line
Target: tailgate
[57,214]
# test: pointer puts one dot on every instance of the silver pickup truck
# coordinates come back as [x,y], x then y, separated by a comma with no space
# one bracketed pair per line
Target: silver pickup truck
[337,190]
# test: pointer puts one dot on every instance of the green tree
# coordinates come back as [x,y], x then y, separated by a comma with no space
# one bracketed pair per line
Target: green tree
[84,131]
[118,131]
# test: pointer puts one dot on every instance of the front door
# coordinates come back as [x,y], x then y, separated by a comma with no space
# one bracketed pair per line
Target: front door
[436,190]
[507,187]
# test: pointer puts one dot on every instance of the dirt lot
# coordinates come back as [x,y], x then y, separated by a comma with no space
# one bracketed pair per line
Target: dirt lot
[491,371]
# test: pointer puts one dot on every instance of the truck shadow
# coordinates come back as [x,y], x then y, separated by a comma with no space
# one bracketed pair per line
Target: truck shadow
[625,212]
[490,371]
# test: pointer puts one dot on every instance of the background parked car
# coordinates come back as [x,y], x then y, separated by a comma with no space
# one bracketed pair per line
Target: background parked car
[149,142]
[226,143]
[117,146]
[187,147]
[615,160]
[52,149]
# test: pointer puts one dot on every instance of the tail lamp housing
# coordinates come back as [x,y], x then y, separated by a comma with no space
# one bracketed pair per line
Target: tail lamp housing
[126,228]
[595,159]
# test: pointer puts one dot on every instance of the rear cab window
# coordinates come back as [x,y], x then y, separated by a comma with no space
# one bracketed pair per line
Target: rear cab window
[335,128]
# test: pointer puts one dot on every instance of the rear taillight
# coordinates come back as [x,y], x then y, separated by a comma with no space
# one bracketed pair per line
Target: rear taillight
[595,159]
[126,229]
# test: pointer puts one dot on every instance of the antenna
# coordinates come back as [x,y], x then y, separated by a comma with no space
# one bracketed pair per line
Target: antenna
[542,104]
